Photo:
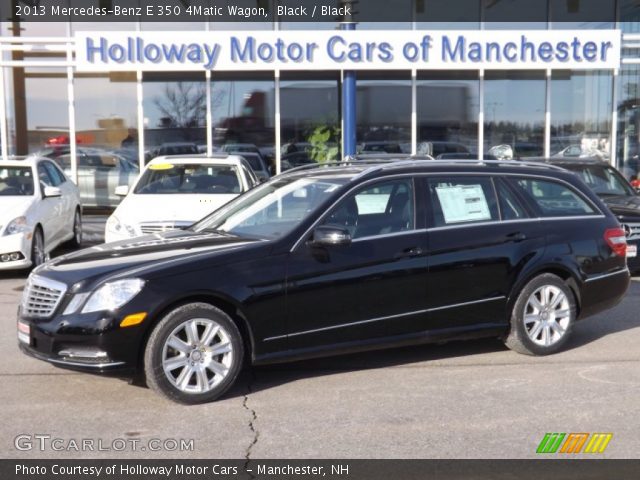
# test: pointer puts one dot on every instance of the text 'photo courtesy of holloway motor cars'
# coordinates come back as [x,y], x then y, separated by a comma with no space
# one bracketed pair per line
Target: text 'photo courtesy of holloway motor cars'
[327,259]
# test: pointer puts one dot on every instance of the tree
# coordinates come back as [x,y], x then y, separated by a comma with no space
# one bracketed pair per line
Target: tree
[183,105]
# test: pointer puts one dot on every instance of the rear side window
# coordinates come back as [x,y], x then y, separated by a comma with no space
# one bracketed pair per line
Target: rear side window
[510,206]
[462,200]
[554,199]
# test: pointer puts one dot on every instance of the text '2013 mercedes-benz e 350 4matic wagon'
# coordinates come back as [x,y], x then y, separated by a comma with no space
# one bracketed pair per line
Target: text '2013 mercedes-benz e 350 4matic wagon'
[335,259]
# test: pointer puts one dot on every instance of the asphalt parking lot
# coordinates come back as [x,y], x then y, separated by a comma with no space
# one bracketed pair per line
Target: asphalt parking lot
[472,399]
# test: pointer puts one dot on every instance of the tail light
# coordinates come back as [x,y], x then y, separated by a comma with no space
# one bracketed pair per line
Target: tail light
[617,240]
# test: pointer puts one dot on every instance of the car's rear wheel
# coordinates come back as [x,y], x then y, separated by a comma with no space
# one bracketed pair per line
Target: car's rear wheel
[542,316]
[194,354]
[38,253]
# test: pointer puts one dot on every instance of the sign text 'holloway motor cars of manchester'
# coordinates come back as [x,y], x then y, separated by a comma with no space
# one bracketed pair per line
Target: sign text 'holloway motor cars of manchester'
[379,49]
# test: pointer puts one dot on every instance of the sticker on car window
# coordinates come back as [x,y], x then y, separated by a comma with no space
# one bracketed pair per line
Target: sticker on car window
[463,203]
[161,166]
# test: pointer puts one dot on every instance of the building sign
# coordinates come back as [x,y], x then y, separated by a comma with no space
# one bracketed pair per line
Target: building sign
[349,50]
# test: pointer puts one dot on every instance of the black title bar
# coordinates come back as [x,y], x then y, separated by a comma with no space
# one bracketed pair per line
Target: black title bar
[108,469]
[457,13]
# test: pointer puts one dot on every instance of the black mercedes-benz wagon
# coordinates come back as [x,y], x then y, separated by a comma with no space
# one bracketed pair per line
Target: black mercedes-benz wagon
[335,259]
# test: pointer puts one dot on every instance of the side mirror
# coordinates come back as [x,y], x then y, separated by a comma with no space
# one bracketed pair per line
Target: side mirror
[331,236]
[51,192]
[122,190]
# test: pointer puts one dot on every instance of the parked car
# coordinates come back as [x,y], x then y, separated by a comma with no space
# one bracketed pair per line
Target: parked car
[579,151]
[379,147]
[175,192]
[241,147]
[256,163]
[616,192]
[172,148]
[437,148]
[39,210]
[99,173]
[336,260]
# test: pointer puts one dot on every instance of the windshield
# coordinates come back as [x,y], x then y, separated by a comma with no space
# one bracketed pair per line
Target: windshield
[273,209]
[16,181]
[166,178]
[603,180]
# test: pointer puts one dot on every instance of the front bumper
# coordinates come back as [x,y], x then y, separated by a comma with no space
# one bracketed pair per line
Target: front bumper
[19,242]
[90,342]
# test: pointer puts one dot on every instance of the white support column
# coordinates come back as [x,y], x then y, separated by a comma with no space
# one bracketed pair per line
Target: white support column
[547,115]
[140,113]
[414,112]
[613,143]
[71,104]
[276,75]
[481,115]
[209,114]
[3,115]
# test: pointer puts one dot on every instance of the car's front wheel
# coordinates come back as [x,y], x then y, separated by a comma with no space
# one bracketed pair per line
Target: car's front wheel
[194,354]
[38,252]
[542,316]
[76,240]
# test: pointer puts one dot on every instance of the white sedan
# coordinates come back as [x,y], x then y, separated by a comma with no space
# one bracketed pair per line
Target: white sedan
[39,210]
[177,191]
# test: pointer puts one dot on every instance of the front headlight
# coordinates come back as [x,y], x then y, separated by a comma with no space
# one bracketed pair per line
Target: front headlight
[17,225]
[113,295]
[115,225]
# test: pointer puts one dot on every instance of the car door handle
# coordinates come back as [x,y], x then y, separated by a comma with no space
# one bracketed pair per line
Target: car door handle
[516,237]
[410,252]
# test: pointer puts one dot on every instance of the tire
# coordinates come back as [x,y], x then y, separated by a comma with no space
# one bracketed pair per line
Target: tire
[542,317]
[38,254]
[76,240]
[188,375]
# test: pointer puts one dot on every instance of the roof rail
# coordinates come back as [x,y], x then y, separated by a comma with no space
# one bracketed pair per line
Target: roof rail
[348,161]
[396,161]
[509,163]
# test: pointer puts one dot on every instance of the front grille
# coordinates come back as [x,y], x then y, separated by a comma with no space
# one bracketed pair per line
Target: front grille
[41,297]
[632,230]
[159,227]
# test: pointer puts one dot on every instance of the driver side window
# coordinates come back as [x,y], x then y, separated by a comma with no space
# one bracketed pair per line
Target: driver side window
[380,209]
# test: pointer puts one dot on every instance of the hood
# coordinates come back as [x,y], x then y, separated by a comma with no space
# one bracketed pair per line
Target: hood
[139,256]
[135,209]
[623,205]
[12,206]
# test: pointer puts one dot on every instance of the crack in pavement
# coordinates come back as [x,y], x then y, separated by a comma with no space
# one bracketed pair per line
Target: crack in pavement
[252,424]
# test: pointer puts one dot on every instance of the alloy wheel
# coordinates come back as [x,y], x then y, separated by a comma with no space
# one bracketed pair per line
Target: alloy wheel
[547,315]
[197,355]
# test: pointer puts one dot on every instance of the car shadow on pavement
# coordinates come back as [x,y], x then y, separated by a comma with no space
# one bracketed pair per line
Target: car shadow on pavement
[257,378]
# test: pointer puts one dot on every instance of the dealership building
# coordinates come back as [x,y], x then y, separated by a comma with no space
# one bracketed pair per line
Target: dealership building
[565,83]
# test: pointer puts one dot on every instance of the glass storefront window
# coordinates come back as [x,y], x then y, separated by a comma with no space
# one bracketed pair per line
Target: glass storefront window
[629,16]
[243,111]
[447,112]
[514,106]
[576,15]
[581,113]
[504,14]
[106,116]
[175,112]
[383,111]
[47,111]
[438,15]
[628,142]
[310,117]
